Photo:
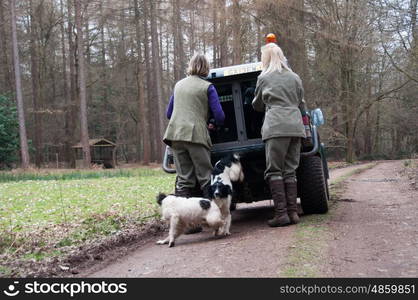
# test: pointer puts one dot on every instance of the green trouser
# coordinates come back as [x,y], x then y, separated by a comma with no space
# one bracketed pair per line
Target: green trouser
[282,158]
[192,163]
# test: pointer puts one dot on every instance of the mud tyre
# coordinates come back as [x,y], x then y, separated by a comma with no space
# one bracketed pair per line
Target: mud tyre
[312,185]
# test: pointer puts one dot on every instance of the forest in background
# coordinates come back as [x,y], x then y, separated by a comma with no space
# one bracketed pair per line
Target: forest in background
[106,68]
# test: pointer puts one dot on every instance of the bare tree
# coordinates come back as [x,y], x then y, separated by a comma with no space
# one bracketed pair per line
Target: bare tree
[157,108]
[71,111]
[223,35]
[36,89]
[236,33]
[6,82]
[143,111]
[179,57]
[66,87]
[82,85]
[20,106]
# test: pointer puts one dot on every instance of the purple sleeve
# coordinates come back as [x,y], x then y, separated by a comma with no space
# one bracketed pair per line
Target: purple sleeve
[215,105]
[170,107]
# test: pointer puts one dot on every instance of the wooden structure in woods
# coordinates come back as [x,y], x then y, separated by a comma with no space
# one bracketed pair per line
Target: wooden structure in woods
[102,153]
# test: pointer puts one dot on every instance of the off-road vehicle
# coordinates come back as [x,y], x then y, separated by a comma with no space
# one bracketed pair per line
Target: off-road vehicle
[241,133]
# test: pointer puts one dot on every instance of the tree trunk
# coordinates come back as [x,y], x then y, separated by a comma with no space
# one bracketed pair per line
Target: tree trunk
[72,108]
[236,33]
[179,57]
[414,30]
[167,58]
[302,59]
[397,144]
[150,95]
[347,101]
[36,89]
[143,113]
[66,82]
[259,39]
[223,35]
[215,34]
[82,85]
[88,52]
[157,81]
[377,132]
[414,25]
[204,39]
[368,135]
[164,96]
[20,107]
[6,80]
[368,129]
[103,57]
[192,43]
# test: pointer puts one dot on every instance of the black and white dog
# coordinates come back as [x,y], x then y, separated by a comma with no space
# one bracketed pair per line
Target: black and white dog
[225,172]
[184,213]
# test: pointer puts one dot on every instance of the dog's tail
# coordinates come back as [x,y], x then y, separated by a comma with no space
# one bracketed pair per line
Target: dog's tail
[160,198]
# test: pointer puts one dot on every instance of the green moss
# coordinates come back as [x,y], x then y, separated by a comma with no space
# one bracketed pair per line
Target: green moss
[312,235]
[306,253]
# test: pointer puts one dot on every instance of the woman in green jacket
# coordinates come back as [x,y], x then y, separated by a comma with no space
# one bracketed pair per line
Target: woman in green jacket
[187,132]
[279,93]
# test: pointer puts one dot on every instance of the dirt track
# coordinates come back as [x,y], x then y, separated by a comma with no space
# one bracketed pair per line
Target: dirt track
[375,228]
[373,233]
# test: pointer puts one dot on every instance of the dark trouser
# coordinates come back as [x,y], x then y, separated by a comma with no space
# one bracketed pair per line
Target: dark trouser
[192,163]
[282,158]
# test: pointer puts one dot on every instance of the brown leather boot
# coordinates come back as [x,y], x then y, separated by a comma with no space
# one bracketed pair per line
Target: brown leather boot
[279,198]
[291,195]
[197,191]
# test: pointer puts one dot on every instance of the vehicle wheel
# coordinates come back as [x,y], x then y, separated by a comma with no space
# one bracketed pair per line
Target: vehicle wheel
[328,195]
[312,185]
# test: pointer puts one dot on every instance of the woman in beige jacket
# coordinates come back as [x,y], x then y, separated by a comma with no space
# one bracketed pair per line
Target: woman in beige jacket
[279,93]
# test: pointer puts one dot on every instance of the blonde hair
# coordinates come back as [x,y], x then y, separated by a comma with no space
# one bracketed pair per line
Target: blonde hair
[198,65]
[272,59]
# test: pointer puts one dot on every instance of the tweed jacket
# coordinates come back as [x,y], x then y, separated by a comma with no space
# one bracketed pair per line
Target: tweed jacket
[280,95]
[190,112]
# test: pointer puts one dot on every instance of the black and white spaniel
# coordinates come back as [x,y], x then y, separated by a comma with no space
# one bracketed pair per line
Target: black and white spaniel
[226,171]
[184,213]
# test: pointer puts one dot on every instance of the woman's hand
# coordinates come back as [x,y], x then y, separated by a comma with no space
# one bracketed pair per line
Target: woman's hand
[211,125]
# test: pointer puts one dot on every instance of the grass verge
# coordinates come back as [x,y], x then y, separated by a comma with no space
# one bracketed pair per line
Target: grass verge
[308,250]
[75,174]
[47,218]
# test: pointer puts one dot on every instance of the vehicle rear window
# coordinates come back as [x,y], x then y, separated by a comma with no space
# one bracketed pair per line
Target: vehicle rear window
[227,132]
[253,119]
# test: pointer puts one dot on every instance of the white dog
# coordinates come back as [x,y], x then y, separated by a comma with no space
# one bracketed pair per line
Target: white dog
[226,171]
[184,213]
